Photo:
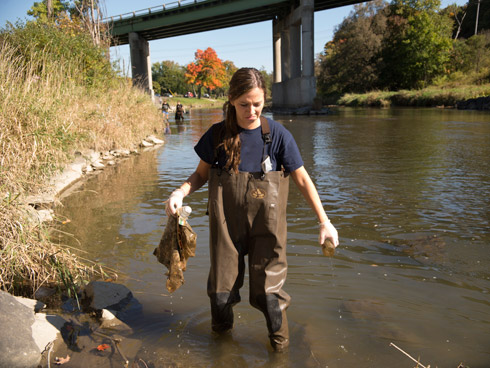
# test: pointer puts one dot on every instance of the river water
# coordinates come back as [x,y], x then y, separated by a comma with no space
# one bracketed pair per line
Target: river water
[408,191]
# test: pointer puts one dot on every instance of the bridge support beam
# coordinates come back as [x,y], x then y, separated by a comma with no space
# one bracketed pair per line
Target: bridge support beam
[139,50]
[294,84]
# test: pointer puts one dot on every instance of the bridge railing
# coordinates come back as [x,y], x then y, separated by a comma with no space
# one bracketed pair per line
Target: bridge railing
[147,11]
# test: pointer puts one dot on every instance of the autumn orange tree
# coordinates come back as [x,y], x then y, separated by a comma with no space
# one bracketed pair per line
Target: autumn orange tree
[207,70]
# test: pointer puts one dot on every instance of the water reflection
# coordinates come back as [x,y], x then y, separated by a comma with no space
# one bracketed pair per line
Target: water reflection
[409,191]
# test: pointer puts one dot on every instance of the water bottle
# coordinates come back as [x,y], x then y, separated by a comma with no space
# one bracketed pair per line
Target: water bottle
[184,214]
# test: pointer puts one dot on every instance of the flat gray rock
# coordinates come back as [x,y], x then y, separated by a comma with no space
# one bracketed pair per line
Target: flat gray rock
[17,346]
[99,295]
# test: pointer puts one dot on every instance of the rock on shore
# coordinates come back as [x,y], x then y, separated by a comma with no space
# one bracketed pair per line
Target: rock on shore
[17,346]
[27,332]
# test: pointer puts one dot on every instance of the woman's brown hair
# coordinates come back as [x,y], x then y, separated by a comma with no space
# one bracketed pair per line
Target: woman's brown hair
[242,81]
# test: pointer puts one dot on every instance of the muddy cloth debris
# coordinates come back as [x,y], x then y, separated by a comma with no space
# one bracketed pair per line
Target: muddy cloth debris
[178,243]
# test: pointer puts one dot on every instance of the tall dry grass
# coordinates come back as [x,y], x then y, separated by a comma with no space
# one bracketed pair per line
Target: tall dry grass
[47,116]
[47,112]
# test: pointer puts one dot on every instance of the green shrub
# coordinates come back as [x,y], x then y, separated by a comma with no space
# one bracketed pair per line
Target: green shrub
[66,47]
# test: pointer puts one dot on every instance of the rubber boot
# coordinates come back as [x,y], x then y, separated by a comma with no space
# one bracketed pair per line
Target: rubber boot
[222,312]
[280,338]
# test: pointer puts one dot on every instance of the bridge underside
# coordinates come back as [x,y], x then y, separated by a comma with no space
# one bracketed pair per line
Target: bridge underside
[293,38]
[201,16]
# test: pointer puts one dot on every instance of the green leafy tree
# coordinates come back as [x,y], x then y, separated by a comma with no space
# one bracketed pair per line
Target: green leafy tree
[74,14]
[268,78]
[418,46]
[470,58]
[170,76]
[457,14]
[156,87]
[39,10]
[349,63]
[478,55]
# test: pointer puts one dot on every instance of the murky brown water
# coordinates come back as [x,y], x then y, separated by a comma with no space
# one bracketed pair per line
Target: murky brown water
[409,192]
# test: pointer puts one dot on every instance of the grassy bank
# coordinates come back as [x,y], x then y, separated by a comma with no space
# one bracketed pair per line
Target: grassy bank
[427,97]
[59,94]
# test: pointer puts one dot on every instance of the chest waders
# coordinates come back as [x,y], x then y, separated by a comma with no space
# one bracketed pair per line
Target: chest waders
[247,216]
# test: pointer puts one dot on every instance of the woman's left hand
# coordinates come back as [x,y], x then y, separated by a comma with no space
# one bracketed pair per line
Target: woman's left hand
[328,232]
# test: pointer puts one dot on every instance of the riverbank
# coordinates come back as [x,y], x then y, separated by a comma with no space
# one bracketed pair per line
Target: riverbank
[62,117]
[447,97]
[52,110]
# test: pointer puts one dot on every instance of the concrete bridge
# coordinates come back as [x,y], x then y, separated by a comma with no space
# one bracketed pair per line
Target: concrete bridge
[294,84]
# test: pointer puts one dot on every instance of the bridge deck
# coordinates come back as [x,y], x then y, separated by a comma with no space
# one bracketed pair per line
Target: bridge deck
[193,16]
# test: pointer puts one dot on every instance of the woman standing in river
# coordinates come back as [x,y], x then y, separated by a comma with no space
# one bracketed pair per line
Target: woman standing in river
[247,160]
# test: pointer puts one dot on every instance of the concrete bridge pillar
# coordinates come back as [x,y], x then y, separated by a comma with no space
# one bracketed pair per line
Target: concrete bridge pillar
[139,50]
[294,36]
[285,54]
[276,47]
[295,46]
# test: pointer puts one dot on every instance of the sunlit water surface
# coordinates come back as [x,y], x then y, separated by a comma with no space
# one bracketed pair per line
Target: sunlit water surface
[409,192]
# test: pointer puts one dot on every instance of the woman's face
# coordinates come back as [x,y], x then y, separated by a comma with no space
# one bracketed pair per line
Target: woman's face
[248,108]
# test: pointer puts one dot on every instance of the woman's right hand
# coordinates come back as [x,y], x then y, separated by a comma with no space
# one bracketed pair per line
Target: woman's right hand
[174,202]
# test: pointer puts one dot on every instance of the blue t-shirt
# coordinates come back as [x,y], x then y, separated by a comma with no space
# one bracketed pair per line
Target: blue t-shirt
[283,150]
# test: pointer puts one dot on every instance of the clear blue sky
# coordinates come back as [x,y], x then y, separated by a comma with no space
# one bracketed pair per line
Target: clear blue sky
[249,45]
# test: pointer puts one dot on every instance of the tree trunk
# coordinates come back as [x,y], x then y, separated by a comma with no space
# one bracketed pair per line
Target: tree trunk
[49,6]
[459,24]
[91,15]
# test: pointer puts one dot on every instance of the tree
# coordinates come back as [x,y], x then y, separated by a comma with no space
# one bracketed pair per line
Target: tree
[471,20]
[156,87]
[349,63]
[56,8]
[206,71]
[170,76]
[91,14]
[457,14]
[76,15]
[230,69]
[418,46]
[479,53]
[268,79]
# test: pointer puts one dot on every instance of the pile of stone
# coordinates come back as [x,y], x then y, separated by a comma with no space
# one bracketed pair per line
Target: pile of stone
[29,333]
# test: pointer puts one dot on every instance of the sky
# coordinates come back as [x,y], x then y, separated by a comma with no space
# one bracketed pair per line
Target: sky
[245,46]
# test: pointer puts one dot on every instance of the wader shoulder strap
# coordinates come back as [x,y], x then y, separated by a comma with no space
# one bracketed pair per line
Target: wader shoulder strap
[266,137]
[266,130]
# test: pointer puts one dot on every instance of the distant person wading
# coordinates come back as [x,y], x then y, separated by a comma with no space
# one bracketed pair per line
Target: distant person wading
[165,109]
[247,161]
[179,111]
